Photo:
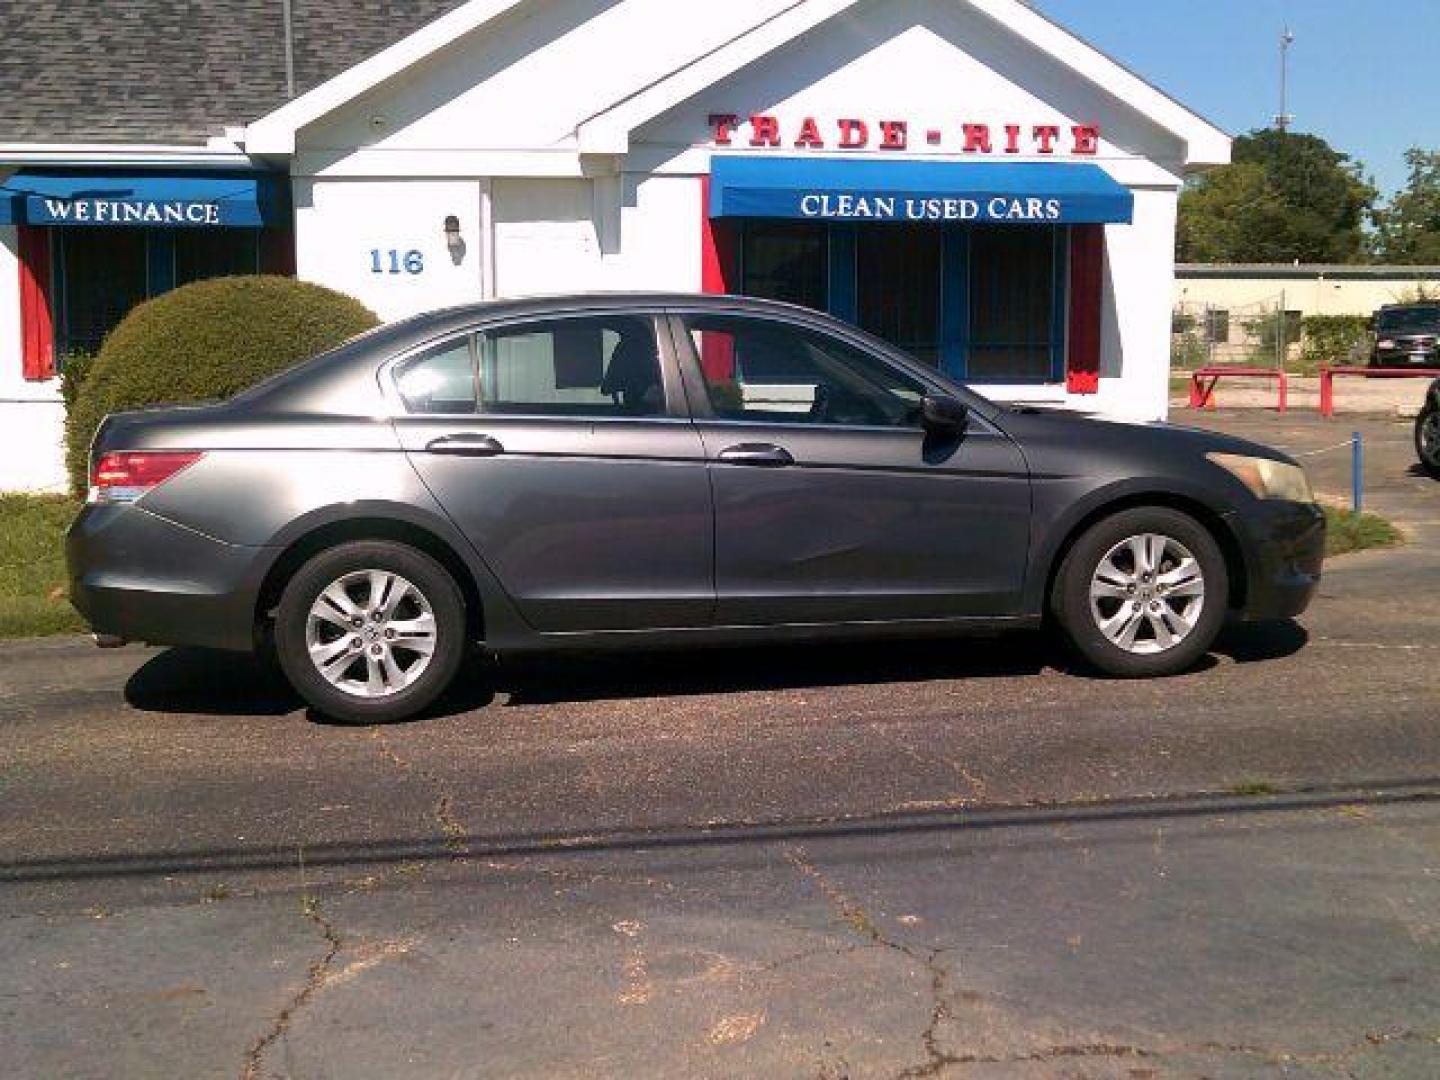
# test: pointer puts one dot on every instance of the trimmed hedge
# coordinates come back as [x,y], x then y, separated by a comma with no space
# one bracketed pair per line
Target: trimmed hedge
[1332,339]
[203,342]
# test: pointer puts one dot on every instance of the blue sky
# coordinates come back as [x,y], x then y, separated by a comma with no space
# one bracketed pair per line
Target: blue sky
[1350,81]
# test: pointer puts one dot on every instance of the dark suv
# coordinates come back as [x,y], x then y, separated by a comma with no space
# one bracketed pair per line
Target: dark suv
[1407,335]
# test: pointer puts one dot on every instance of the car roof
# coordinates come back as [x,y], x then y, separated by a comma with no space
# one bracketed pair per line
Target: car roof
[558,303]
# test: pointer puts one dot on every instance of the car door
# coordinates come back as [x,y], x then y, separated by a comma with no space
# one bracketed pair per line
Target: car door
[562,448]
[832,503]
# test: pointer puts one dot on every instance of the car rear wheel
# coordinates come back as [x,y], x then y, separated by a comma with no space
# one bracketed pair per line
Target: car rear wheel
[370,632]
[1427,438]
[1142,593]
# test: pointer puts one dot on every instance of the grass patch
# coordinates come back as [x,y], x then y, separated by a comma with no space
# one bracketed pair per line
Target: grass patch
[1348,531]
[32,566]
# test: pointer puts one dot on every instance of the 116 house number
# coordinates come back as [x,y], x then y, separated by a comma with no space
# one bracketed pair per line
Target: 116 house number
[397,262]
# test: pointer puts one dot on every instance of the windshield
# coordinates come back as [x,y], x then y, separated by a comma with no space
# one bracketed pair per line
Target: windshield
[1409,320]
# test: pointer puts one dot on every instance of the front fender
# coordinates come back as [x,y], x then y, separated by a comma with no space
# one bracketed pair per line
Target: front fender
[1061,513]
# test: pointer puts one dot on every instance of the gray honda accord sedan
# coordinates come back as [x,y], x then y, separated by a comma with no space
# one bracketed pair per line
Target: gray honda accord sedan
[587,472]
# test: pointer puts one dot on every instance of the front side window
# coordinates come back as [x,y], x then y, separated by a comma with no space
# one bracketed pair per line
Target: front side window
[762,370]
[596,366]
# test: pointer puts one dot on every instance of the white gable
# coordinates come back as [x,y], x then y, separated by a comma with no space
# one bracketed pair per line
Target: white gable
[526,82]
[934,68]
[530,88]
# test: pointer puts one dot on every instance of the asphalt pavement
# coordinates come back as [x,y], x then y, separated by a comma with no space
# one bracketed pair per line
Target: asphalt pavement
[961,858]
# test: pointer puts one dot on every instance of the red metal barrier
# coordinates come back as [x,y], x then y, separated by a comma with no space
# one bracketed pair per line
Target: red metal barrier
[1203,380]
[1327,380]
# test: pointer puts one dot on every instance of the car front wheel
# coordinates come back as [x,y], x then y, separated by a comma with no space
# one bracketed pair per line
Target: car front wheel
[1427,438]
[1143,592]
[370,632]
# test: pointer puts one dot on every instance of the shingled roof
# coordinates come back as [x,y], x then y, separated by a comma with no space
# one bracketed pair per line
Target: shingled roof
[176,71]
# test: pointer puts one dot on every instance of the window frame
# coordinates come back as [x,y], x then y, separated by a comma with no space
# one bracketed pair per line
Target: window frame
[675,408]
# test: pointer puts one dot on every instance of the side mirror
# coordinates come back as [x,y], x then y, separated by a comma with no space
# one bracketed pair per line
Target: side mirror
[943,414]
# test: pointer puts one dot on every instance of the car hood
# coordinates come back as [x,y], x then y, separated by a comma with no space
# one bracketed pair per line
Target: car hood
[1146,443]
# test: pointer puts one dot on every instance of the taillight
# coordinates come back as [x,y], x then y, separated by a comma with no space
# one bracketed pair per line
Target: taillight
[125,476]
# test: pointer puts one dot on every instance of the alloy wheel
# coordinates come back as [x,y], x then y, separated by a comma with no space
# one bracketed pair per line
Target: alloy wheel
[1147,593]
[371,633]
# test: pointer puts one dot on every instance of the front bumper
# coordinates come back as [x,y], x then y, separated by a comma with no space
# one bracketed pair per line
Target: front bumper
[141,577]
[1406,358]
[1283,544]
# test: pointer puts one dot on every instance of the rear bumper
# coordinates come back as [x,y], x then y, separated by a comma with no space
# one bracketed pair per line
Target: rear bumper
[141,577]
[1284,549]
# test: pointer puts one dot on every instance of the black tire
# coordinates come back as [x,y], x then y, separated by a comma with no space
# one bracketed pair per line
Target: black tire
[1070,600]
[1427,438]
[434,585]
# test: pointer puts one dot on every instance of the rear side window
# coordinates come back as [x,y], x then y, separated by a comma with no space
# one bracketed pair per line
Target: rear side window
[588,366]
[440,380]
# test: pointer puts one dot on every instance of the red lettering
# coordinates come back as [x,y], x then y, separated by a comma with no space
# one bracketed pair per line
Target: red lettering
[853,134]
[977,138]
[1012,138]
[723,124]
[764,131]
[1045,135]
[1087,138]
[809,137]
[894,134]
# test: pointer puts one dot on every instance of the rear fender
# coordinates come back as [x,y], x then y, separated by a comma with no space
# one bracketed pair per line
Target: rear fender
[501,621]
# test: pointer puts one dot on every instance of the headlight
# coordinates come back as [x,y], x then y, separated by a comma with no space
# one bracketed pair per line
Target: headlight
[1385,343]
[1266,478]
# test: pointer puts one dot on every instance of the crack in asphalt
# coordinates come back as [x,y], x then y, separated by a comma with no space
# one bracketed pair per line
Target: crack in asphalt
[315,979]
[860,921]
[979,790]
[443,814]
[938,1060]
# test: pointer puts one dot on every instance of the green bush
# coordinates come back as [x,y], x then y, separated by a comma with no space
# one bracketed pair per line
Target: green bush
[74,367]
[1332,339]
[1188,351]
[203,342]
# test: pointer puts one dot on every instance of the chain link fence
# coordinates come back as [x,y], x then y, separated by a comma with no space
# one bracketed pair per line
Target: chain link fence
[1261,334]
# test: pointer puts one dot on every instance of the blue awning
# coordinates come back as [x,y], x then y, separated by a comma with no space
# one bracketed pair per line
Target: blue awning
[837,189]
[236,200]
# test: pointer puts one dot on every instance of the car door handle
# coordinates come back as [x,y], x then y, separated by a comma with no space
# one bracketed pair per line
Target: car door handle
[465,446]
[759,455]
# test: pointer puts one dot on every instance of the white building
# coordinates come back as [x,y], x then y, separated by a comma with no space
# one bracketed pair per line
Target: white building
[962,177]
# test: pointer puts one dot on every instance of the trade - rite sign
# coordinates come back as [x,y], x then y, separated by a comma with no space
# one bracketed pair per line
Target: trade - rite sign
[763,131]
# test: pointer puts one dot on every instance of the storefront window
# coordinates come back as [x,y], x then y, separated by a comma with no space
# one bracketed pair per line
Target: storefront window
[785,260]
[100,274]
[897,271]
[982,302]
[1013,301]
[209,253]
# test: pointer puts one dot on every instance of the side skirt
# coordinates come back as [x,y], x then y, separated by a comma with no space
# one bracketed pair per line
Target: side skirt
[698,637]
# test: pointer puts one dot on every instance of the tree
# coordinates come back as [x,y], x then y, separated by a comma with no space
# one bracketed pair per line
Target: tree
[1286,197]
[1408,229]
